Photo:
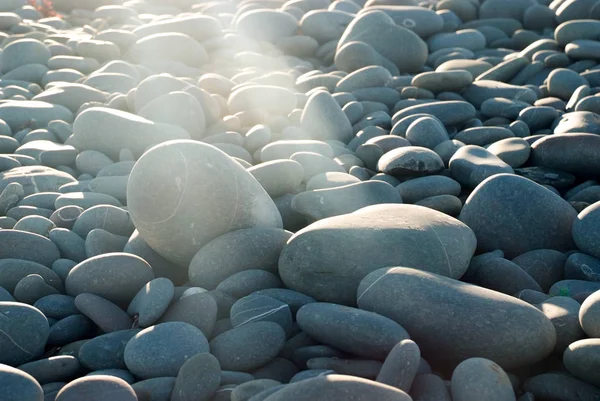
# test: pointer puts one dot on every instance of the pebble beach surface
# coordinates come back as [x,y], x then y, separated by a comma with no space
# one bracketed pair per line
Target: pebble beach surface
[302,200]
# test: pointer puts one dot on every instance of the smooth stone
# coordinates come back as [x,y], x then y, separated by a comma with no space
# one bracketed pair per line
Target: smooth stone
[106,351]
[198,379]
[530,333]
[512,151]
[324,119]
[364,368]
[578,122]
[401,365]
[158,388]
[573,287]
[246,391]
[232,253]
[284,149]
[410,161]
[106,315]
[374,25]
[583,49]
[323,322]
[118,373]
[247,282]
[106,217]
[70,329]
[314,163]
[482,136]
[26,332]
[278,369]
[35,179]
[18,245]
[35,224]
[199,309]
[471,165]
[506,70]
[581,358]
[18,385]
[494,274]
[255,308]
[443,81]
[161,350]
[71,95]
[418,189]
[278,177]
[480,378]
[97,388]
[586,230]
[451,112]
[330,180]
[429,387]
[480,91]
[99,242]
[14,270]
[372,76]
[522,227]
[151,301]
[562,82]
[32,288]
[580,266]
[445,247]
[92,162]
[589,315]
[117,277]
[32,114]
[470,39]
[295,300]
[556,385]
[328,387]
[426,132]
[243,201]
[573,153]
[121,130]
[22,52]
[546,266]
[324,203]
[61,368]
[70,245]
[248,347]
[56,306]
[563,312]
[172,46]
[272,99]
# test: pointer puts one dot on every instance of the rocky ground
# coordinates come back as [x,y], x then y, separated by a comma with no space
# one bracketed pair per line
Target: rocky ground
[261,200]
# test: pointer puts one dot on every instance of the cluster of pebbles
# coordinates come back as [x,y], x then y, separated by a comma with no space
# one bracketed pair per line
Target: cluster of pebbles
[261,200]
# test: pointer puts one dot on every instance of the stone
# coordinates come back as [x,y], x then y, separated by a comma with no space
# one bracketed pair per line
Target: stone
[177,108]
[429,387]
[369,335]
[554,385]
[442,81]
[426,132]
[480,91]
[248,347]
[32,114]
[512,151]
[267,25]
[151,301]
[451,112]
[327,259]
[25,331]
[247,282]
[546,266]
[117,277]
[323,203]
[14,270]
[70,245]
[172,46]
[272,99]
[108,131]
[580,266]
[18,385]
[161,350]
[471,165]
[22,52]
[411,161]
[324,119]
[166,224]
[106,351]
[577,154]
[56,306]
[32,288]
[260,308]
[18,245]
[70,329]
[159,388]
[71,95]
[578,122]
[401,365]
[60,368]
[480,378]
[107,217]
[418,189]
[199,309]
[198,379]
[237,251]
[504,276]
[99,242]
[521,227]
[278,177]
[328,387]
[585,230]
[106,315]
[97,388]
[446,340]
[246,391]
[563,312]
[378,30]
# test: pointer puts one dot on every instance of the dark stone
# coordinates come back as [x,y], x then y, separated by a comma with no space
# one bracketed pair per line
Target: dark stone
[54,369]
[445,339]
[97,388]
[18,245]
[106,351]
[586,230]
[546,266]
[17,385]
[106,315]
[198,379]
[25,332]
[480,379]
[151,301]
[560,386]
[199,310]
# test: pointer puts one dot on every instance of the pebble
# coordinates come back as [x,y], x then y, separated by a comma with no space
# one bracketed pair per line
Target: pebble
[18,385]
[26,332]
[96,388]
[106,351]
[161,350]
[401,365]
[532,336]
[471,165]
[151,301]
[480,378]
[199,378]
[378,225]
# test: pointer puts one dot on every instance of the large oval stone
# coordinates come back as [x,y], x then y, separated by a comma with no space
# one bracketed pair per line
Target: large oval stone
[114,276]
[183,194]
[109,131]
[461,320]
[327,259]
[516,215]
[15,244]
[17,385]
[24,331]
[575,153]
[162,350]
